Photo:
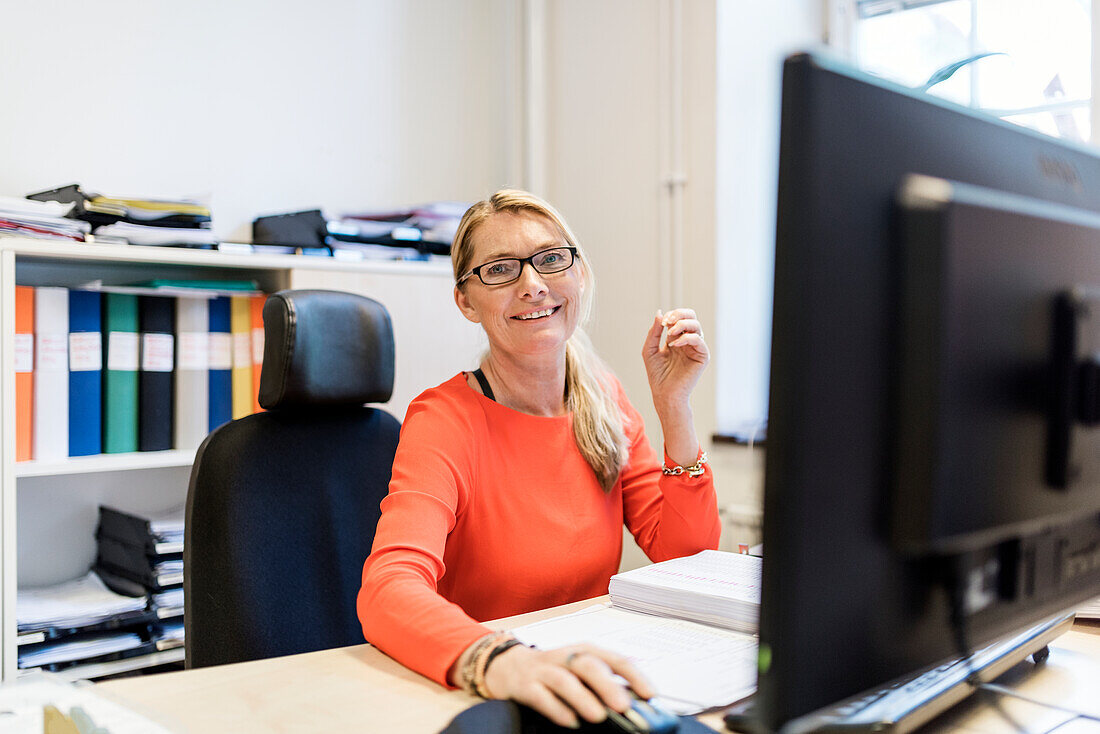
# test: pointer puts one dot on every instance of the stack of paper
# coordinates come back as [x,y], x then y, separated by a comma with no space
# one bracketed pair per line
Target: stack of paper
[184,223]
[169,635]
[169,603]
[76,603]
[712,587]
[427,229]
[142,234]
[169,572]
[167,527]
[69,649]
[1090,610]
[40,219]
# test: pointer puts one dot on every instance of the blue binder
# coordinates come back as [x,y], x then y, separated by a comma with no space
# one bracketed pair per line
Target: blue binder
[85,374]
[221,370]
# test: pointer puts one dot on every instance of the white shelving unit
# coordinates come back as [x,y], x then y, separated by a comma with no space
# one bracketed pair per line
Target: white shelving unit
[105,463]
[48,510]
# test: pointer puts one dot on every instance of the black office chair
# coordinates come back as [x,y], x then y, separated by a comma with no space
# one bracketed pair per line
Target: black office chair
[282,505]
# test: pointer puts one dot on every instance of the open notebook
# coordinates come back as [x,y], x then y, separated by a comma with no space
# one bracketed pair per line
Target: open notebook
[694,666]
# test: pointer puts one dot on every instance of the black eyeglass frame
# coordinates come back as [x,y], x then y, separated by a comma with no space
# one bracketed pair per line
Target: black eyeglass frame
[529,260]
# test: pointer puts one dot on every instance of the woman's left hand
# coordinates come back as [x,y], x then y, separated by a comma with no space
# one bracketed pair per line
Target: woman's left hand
[674,367]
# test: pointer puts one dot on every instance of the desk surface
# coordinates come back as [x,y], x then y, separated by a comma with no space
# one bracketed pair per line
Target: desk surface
[359,689]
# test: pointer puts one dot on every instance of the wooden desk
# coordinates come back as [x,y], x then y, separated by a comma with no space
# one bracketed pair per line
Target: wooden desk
[360,689]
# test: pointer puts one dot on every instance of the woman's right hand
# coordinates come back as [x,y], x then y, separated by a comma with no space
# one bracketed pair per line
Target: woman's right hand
[565,682]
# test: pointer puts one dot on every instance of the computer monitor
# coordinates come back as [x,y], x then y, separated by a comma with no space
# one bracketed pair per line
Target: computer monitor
[933,466]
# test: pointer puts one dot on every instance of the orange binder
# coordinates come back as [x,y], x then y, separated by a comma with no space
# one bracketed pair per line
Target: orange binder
[257,304]
[24,372]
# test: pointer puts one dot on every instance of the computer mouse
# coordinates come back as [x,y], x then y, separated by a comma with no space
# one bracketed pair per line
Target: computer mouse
[509,717]
[643,717]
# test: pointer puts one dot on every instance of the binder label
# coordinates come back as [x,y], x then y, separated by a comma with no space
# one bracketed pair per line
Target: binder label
[85,351]
[194,350]
[53,351]
[122,351]
[221,351]
[156,352]
[24,352]
[257,346]
[242,349]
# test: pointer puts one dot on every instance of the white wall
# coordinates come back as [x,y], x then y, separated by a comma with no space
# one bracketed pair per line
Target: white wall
[753,38]
[276,106]
[613,83]
[261,106]
[622,77]
[603,165]
[609,150]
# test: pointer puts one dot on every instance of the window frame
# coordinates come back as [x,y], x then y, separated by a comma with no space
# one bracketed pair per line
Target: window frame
[842,16]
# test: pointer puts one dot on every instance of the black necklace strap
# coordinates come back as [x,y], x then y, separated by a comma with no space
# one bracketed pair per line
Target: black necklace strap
[481,380]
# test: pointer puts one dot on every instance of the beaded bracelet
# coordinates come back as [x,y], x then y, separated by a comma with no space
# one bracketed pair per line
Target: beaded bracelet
[466,676]
[477,683]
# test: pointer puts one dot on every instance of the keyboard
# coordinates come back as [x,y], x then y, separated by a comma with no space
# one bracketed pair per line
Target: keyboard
[907,703]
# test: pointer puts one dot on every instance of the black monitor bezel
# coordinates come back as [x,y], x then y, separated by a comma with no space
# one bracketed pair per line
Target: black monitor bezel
[833,580]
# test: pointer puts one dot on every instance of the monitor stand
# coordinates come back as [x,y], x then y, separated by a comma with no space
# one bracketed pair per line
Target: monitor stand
[910,702]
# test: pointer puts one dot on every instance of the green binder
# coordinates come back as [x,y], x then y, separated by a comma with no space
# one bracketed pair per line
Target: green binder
[120,374]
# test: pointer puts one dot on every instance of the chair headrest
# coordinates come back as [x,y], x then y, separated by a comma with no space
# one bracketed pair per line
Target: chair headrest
[325,348]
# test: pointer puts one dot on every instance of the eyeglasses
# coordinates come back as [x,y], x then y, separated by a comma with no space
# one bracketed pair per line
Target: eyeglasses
[507,270]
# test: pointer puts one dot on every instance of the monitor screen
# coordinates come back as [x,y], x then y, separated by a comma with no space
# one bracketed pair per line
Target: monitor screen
[933,461]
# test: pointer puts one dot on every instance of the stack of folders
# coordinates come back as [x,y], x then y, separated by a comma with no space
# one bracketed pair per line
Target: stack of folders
[80,621]
[46,220]
[149,370]
[143,556]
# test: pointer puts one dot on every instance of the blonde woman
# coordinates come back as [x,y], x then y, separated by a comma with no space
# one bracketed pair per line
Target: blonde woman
[512,482]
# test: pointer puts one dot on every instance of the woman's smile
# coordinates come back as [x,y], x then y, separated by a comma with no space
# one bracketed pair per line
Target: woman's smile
[537,314]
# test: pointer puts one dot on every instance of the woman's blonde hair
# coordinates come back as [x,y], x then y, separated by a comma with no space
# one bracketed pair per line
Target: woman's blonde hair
[597,419]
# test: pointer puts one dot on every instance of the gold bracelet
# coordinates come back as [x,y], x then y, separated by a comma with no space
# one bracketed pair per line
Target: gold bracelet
[694,470]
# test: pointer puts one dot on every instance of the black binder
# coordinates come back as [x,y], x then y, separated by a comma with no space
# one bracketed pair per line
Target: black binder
[156,319]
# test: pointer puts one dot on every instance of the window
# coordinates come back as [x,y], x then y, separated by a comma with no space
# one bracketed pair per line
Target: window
[1026,61]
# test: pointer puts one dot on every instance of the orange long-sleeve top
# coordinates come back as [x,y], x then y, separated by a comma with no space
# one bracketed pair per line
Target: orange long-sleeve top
[492,512]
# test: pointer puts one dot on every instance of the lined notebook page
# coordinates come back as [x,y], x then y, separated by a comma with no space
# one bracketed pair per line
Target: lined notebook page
[694,667]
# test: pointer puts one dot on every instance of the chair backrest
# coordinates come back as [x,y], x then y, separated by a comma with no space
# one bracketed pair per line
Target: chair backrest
[282,505]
